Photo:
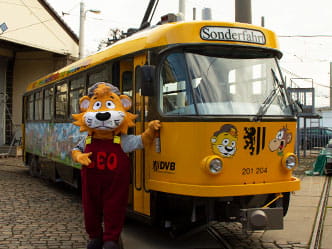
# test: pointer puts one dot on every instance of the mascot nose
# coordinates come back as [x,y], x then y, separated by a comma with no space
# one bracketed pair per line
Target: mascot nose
[102,116]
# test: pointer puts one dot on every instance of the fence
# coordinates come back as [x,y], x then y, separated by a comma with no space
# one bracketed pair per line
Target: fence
[311,137]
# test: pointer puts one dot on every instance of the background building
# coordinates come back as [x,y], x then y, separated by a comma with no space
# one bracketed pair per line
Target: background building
[34,41]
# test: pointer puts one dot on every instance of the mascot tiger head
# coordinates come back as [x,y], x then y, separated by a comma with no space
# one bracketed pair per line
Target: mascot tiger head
[104,111]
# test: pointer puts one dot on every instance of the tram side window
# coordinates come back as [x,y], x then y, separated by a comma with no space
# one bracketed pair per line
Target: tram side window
[175,97]
[76,92]
[127,83]
[98,76]
[48,103]
[61,101]
[30,107]
[38,106]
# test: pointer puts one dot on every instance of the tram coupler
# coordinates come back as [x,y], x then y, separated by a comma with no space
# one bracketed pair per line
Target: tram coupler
[262,218]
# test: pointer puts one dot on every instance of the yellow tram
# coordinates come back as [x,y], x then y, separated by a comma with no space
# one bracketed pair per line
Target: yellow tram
[225,149]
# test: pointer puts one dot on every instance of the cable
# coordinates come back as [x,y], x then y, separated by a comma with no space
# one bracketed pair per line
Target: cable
[74,6]
[28,26]
[303,58]
[305,36]
[304,79]
[11,3]
[42,22]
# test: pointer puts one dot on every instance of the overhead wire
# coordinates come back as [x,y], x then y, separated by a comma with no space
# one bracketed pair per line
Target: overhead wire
[43,23]
[73,7]
[303,78]
[27,26]
[305,36]
[18,4]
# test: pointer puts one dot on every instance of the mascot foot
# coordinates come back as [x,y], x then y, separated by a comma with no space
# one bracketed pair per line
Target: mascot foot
[111,245]
[95,244]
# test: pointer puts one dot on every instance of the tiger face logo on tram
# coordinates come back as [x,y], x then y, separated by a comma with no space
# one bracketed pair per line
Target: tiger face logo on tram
[224,141]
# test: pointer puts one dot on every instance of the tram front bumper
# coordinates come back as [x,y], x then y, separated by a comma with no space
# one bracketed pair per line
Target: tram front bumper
[262,218]
[292,184]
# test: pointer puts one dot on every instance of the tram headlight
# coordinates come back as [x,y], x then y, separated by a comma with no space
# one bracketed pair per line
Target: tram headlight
[212,164]
[289,161]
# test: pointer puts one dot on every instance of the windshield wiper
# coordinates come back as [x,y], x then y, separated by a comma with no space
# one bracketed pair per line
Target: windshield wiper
[270,98]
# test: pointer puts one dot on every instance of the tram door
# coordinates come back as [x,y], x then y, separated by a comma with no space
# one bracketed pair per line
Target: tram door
[141,195]
[139,198]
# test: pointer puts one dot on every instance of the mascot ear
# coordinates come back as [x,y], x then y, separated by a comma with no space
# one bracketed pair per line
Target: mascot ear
[213,139]
[84,103]
[126,102]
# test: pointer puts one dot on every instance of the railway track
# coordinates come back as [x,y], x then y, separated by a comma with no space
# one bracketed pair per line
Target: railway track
[214,232]
[319,222]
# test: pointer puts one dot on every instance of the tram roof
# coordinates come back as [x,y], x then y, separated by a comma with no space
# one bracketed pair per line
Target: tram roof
[195,32]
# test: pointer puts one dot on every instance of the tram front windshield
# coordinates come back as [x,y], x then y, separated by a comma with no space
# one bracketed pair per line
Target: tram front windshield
[197,84]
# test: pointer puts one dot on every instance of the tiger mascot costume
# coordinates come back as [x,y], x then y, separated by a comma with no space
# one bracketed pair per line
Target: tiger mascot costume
[105,172]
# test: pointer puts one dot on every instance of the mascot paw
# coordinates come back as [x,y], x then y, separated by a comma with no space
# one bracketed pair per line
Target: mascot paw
[155,125]
[84,158]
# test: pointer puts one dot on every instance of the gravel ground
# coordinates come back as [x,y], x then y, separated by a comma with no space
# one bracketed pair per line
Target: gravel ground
[37,214]
[305,164]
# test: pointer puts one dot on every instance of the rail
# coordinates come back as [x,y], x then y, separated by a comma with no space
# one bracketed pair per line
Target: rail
[319,222]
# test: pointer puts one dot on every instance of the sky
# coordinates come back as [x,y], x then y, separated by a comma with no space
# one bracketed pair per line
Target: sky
[304,29]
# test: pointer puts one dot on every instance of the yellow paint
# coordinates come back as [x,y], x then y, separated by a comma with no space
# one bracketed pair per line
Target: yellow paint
[178,167]
[141,196]
[226,190]
[163,35]
[242,174]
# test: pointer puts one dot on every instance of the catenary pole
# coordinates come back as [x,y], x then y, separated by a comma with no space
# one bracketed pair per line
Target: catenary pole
[243,11]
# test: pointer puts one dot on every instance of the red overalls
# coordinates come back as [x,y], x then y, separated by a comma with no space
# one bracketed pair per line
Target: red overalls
[105,185]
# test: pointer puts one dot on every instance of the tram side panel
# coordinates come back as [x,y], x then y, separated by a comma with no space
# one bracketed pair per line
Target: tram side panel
[50,144]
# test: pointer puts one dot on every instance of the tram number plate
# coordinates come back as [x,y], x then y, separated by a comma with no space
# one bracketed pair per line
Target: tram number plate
[257,171]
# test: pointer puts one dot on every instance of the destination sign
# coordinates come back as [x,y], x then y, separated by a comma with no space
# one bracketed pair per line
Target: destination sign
[217,33]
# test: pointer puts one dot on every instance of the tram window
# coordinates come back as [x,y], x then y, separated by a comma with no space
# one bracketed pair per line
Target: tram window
[61,101]
[48,103]
[259,75]
[127,83]
[98,76]
[38,106]
[116,74]
[76,92]
[175,91]
[257,87]
[231,82]
[30,107]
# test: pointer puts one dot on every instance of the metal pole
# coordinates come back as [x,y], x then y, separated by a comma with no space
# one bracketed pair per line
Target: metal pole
[243,11]
[330,84]
[182,8]
[206,14]
[82,21]
[145,22]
